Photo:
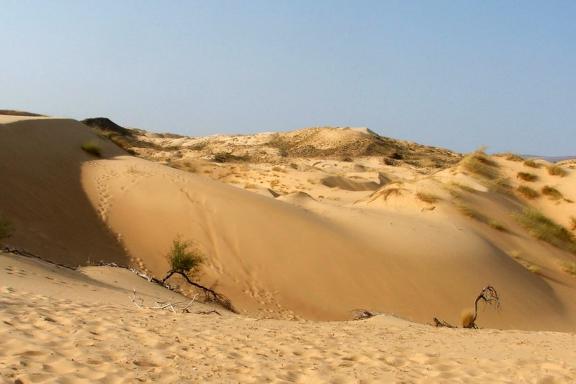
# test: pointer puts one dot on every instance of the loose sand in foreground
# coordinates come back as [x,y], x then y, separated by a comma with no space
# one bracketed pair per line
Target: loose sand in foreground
[68,336]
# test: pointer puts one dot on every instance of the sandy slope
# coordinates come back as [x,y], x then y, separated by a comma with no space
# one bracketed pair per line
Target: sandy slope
[297,256]
[87,331]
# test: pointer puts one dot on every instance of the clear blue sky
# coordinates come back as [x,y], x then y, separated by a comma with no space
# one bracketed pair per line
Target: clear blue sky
[457,74]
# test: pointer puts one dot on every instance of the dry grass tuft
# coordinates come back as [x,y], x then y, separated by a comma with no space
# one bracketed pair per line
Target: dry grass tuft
[552,192]
[528,192]
[572,223]
[532,164]
[556,170]
[526,176]
[514,157]
[545,229]
[467,318]
[474,214]
[428,197]
[570,267]
[480,164]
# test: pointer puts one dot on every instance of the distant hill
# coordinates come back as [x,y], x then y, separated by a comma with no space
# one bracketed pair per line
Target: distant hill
[552,159]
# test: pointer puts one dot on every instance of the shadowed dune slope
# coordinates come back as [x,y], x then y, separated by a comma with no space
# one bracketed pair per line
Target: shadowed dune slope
[41,193]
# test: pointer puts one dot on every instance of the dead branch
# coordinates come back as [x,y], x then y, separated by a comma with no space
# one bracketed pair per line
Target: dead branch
[487,295]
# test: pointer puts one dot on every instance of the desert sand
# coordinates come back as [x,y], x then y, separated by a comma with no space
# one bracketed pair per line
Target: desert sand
[299,230]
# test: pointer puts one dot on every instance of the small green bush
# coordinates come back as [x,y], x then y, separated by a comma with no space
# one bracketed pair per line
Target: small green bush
[182,259]
[92,148]
[547,230]
[6,228]
[556,170]
[552,192]
[528,192]
[527,176]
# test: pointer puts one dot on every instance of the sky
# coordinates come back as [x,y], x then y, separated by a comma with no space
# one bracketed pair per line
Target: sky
[457,74]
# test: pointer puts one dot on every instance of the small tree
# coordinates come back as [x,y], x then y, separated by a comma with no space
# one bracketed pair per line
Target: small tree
[183,260]
[5,228]
[186,262]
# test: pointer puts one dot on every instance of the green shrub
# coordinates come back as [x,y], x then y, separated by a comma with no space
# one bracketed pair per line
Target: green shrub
[528,192]
[182,259]
[92,148]
[6,228]
[527,176]
[556,170]
[552,192]
[547,230]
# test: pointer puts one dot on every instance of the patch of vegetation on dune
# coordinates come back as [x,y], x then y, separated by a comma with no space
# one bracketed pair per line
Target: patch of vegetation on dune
[480,164]
[552,192]
[544,228]
[476,215]
[556,170]
[92,148]
[528,192]
[526,176]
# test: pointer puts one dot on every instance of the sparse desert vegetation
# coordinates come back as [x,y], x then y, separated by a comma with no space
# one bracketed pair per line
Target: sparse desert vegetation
[529,193]
[480,164]
[532,164]
[552,192]
[569,267]
[514,157]
[92,148]
[556,170]
[428,197]
[476,215]
[526,176]
[547,230]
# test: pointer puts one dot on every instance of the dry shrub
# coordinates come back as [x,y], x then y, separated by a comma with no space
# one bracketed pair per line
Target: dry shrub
[391,191]
[572,223]
[532,164]
[467,318]
[556,170]
[528,192]
[428,197]
[526,176]
[552,192]
[545,229]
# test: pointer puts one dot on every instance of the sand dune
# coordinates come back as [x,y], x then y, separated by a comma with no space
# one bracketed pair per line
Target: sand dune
[277,258]
[308,235]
